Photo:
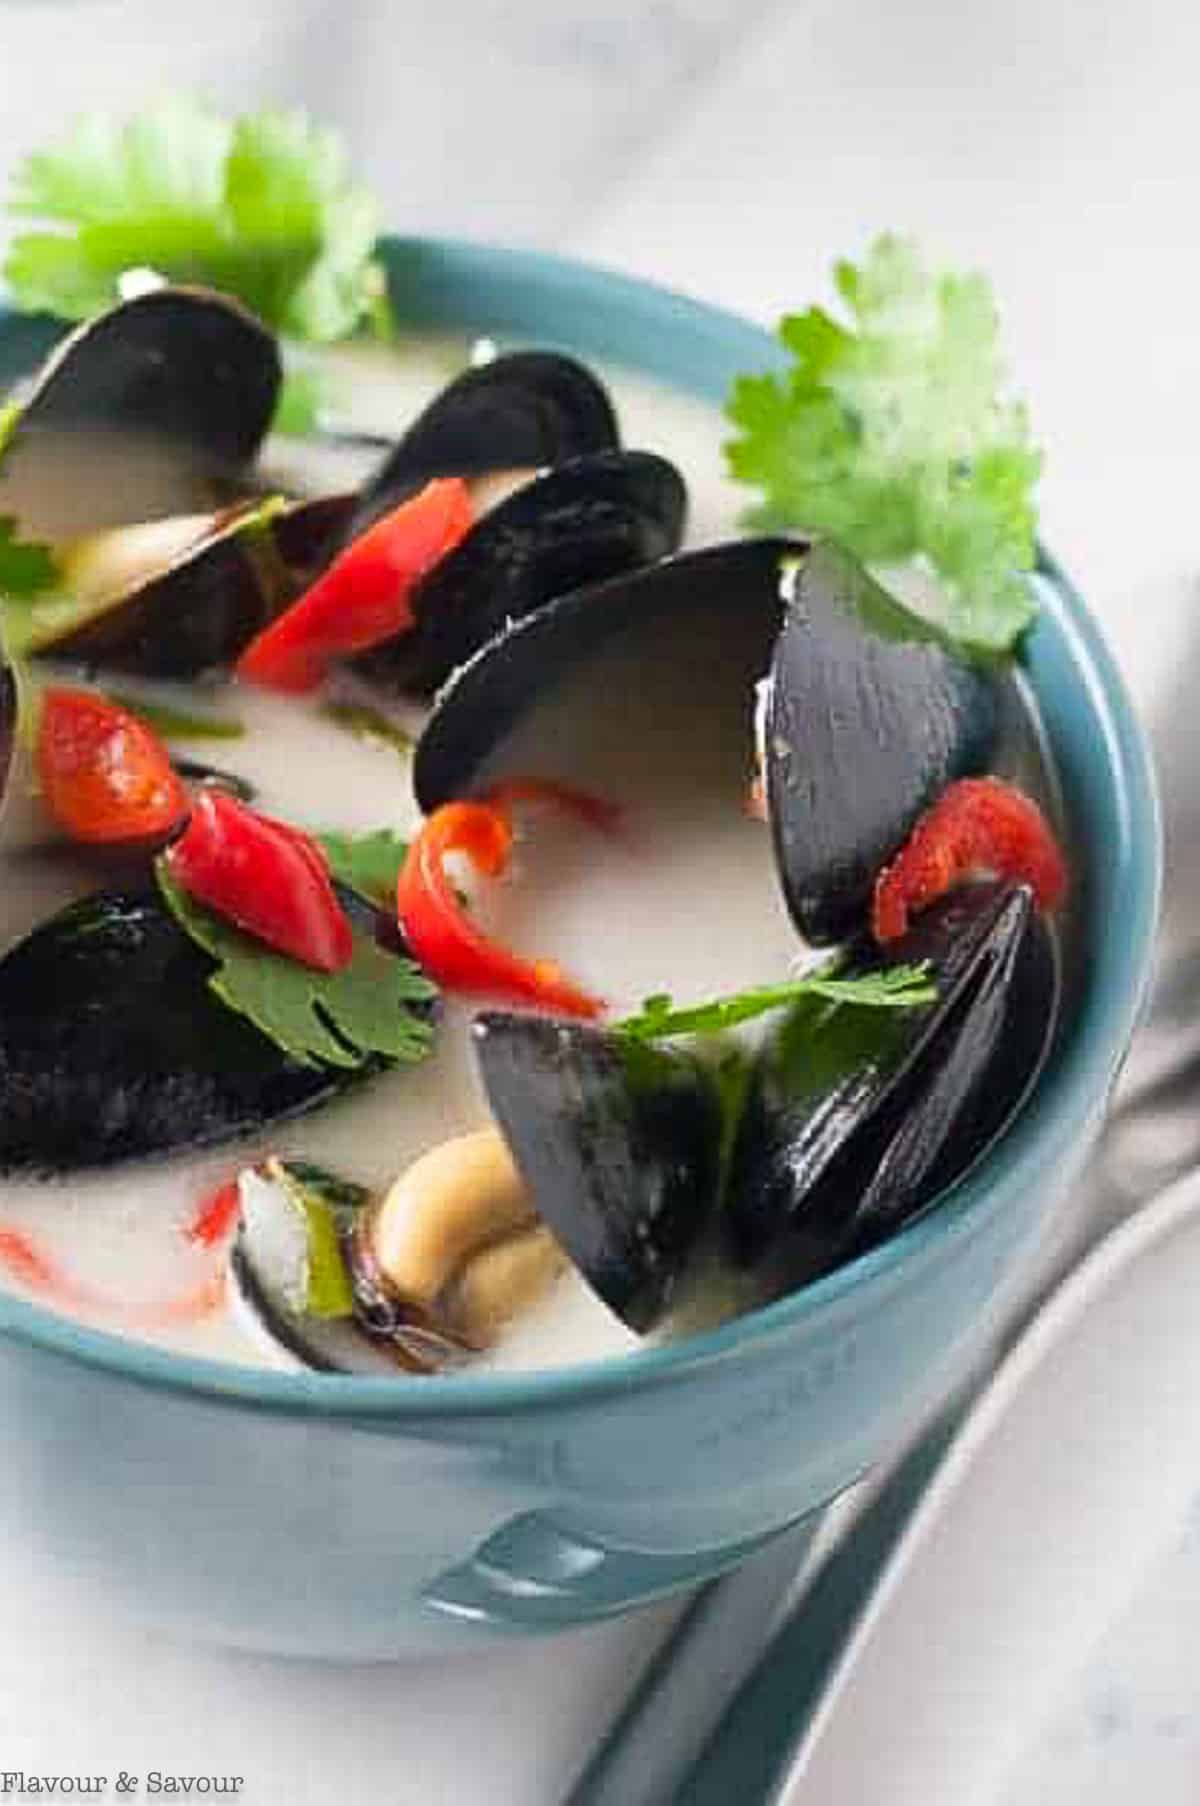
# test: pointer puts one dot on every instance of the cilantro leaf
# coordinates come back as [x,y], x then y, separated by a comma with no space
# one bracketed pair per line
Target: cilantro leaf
[367,723]
[339,1018]
[26,568]
[261,207]
[301,398]
[367,863]
[27,573]
[893,434]
[180,724]
[897,988]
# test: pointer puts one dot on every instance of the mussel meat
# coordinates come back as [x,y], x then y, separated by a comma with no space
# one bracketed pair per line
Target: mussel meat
[588,519]
[140,412]
[112,1045]
[618,1143]
[857,1118]
[287,1213]
[178,597]
[525,410]
[869,713]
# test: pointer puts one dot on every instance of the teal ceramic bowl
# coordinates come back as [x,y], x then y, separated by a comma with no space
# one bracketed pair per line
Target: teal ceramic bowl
[363,1518]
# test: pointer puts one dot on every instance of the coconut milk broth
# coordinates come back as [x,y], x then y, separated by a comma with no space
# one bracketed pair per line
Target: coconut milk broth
[683,898]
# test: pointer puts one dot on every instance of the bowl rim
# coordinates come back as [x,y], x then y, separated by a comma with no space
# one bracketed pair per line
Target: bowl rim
[484,283]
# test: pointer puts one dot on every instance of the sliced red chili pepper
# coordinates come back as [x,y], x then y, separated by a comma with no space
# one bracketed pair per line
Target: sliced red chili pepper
[977,826]
[105,777]
[443,937]
[596,811]
[215,1216]
[364,596]
[266,877]
[34,1268]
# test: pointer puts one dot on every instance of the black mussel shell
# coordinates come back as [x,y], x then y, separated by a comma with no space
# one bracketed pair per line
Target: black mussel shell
[8,722]
[589,519]
[857,1118]
[869,715]
[522,411]
[169,395]
[618,1143]
[266,1264]
[737,583]
[112,1044]
[190,368]
[204,607]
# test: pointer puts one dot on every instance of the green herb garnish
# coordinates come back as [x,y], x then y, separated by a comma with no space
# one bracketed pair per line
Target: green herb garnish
[897,988]
[302,397]
[261,207]
[27,569]
[368,724]
[368,863]
[893,434]
[180,724]
[28,572]
[339,1018]
[327,1288]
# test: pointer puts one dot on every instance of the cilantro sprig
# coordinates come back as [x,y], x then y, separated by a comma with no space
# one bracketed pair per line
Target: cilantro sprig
[367,863]
[262,207]
[897,988]
[337,1018]
[892,431]
[27,569]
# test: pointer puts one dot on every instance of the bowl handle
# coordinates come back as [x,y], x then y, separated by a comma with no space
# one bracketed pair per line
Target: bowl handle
[531,1575]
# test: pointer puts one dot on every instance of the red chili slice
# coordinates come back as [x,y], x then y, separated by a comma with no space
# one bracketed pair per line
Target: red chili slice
[34,1268]
[264,876]
[365,595]
[105,777]
[442,936]
[596,811]
[216,1216]
[977,826]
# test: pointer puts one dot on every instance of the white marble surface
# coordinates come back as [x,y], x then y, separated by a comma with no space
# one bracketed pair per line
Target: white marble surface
[732,149]
[1128,1726]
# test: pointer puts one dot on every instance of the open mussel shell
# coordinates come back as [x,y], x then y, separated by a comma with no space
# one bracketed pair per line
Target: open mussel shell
[587,520]
[524,410]
[8,724]
[270,1266]
[112,1045]
[178,597]
[869,714]
[856,1117]
[268,1270]
[618,1143]
[720,597]
[139,412]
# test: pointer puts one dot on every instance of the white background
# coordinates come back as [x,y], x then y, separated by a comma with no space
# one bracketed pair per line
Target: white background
[732,149]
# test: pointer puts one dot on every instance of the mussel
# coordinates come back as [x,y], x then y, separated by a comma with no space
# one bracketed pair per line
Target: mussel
[866,711]
[869,713]
[588,519]
[618,1143]
[857,1118]
[718,607]
[525,410]
[112,1045]
[181,596]
[140,412]
[416,1281]
[293,1216]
